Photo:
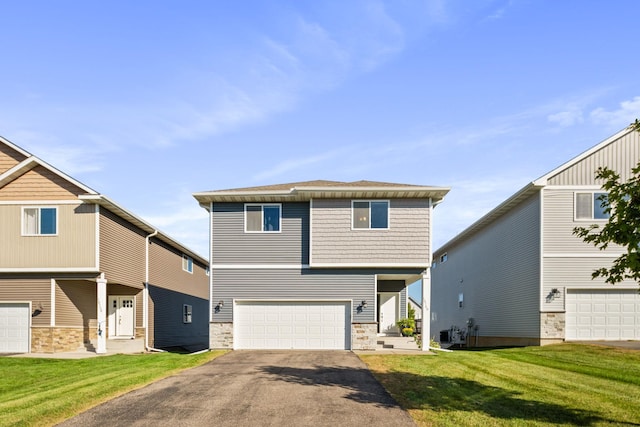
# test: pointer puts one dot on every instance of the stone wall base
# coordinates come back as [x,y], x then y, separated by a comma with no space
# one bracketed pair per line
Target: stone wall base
[552,326]
[221,336]
[364,336]
[58,339]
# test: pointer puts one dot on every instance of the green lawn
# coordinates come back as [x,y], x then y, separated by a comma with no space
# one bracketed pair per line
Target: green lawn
[562,384]
[45,391]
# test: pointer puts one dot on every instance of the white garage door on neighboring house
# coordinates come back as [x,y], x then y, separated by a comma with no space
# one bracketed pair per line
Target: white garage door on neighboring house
[14,327]
[299,325]
[603,314]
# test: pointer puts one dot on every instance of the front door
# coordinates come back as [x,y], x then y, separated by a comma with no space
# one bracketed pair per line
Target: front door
[121,316]
[388,312]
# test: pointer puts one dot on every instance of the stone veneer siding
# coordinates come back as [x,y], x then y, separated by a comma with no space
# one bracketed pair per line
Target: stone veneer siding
[364,336]
[552,326]
[57,339]
[221,335]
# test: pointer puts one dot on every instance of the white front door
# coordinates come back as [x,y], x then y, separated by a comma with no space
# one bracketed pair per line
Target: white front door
[388,310]
[121,316]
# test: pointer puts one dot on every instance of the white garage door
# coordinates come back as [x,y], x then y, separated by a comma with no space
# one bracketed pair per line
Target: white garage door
[292,325]
[603,314]
[14,327]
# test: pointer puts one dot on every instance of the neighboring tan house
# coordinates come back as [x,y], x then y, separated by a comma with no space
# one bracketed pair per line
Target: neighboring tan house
[518,276]
[77,271]
[315,265]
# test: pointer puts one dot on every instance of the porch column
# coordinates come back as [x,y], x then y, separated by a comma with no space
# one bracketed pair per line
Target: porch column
[426,312]
[102,315]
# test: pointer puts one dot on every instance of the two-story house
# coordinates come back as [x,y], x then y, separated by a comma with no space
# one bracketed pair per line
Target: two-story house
[316,265]
[78,271]
[519,276]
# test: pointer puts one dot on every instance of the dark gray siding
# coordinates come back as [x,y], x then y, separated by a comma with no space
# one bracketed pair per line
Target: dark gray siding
[169,330]
[231,245]
[294,285]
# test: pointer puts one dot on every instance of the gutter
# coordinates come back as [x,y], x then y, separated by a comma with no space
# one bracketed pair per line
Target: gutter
[145,300]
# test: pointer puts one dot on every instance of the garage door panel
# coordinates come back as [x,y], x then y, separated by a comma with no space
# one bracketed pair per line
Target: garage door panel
[14,327]
[603,314]
[292,325]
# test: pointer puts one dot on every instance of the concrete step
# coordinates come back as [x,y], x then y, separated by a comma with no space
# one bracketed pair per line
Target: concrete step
[123,346]
[398,343]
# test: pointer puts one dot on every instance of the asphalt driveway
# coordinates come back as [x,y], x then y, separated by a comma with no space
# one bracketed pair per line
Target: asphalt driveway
[261,388]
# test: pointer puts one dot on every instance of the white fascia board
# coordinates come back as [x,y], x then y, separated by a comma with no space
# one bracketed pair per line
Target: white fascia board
[367,265]
[259,266]
[49,270]
[15,147]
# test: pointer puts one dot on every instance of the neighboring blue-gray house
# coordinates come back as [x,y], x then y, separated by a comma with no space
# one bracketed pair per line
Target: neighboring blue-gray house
[316,265]
[518,276]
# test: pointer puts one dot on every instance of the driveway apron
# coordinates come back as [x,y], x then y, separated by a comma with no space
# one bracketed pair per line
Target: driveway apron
[258,388]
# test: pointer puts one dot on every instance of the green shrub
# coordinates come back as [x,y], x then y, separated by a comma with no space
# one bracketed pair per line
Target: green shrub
[406,323]
[407,332]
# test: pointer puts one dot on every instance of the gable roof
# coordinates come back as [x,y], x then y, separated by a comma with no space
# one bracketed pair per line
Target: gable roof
[90,196]
[528,190]
[322,189]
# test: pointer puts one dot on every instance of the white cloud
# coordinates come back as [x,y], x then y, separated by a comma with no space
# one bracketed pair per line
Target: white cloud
[629,110]
[567,118]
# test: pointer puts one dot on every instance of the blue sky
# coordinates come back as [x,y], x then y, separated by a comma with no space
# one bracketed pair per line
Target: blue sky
[148,102]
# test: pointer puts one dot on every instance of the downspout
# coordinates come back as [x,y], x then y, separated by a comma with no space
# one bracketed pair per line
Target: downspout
[145,294]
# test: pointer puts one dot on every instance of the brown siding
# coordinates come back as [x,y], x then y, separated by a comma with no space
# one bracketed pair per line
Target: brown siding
[621,155]
[40,184]
[165,270]
[36,290]
[76,303]
[9,158]
[74,246]
[406,240]
[122,256]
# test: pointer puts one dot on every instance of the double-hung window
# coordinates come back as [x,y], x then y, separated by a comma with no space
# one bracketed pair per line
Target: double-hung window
[39,221]
[262,218]
[370,214]
[589,206]
[187,263]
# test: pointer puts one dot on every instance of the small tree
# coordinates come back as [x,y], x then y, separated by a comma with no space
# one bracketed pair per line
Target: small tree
[623,228]
[411,312]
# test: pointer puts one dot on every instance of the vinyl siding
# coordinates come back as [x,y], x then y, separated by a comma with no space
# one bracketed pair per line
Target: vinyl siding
[293,284]
[166,316]
[37,290]
[232,245]
[559,223]
[40,184]
[122,252]
[76,303]
[165,270]
[621,155]
[73,246]
[573,273]
[406,241]
[498,271]
[9,158]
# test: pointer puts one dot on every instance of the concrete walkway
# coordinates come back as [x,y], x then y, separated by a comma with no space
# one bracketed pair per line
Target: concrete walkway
[261,388]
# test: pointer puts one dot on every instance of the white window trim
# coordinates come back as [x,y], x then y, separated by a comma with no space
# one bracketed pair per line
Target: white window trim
[575,206]
[262,205]
[22,225]
[444,257]
[187,258]
[369,201]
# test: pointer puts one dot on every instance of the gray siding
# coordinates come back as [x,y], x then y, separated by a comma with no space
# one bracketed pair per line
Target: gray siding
[498,271]
[231,245]
[169,330]
[406,241]
[561,273]
[293,284]
[621,155]
[559,222]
